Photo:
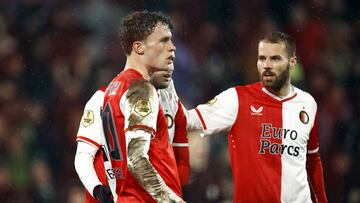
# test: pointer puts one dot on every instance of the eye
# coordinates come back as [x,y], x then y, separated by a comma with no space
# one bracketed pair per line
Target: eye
[276,58]
[165,39]
[261,58]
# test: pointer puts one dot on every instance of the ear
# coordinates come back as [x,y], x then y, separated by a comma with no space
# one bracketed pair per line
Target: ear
[293,61]
[138,47]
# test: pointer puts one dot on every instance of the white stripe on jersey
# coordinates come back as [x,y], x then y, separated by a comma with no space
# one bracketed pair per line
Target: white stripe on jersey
[313,151]
[180,144]
[294,176]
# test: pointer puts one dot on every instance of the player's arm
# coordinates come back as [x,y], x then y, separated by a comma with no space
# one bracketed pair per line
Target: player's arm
[84,158]
[141,111]
[216,115]
[314,167]
[181,146]
[88,145]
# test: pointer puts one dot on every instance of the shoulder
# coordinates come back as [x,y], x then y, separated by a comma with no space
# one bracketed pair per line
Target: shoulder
[303,95]
[306,99]
[249,87]
[123,81]
[169,93]
[96,99]
[245,90]
[140,89]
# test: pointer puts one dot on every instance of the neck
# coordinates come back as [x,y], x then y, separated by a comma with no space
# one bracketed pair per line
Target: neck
[282,92]
[137,65]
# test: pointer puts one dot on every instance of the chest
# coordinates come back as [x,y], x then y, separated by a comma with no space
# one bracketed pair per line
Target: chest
[169,104]
[273,127]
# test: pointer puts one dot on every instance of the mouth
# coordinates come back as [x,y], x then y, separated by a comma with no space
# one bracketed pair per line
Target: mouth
[167,76]
[268,75]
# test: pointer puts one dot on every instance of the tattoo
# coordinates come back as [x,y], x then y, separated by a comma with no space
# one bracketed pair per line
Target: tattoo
[139,95]
[144,172]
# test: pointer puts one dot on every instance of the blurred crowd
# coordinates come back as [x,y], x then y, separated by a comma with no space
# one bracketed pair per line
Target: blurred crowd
[54,54]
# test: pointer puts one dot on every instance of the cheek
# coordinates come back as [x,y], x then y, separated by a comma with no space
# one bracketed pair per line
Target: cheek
[156,53]
[279,68]
[152,55]
[259,66]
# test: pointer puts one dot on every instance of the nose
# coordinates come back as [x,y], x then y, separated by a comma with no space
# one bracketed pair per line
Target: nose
[267,64]
[172,46]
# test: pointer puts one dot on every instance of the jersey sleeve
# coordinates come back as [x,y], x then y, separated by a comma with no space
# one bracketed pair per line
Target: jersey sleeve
[90,129]
[181,146]
[140,105]
[313,144]
[180,137]
[216,115]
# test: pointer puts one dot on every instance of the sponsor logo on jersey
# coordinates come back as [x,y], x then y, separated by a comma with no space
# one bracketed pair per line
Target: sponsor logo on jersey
[211,102]
[113,88]
[271,138]
[88,118]
[115,173]
[142,107]
[256,111]
[304,117]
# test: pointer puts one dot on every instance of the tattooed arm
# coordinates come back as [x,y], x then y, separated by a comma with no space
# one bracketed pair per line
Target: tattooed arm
[141,111]
[140,167]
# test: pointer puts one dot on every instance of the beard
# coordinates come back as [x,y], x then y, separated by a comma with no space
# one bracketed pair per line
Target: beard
[159,83]
[279,81]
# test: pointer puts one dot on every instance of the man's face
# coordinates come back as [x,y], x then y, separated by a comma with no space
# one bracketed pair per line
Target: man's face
[159,50]
[161,79]
[273,65]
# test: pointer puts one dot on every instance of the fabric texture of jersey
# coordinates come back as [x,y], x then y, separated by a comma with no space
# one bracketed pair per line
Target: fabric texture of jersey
[91,132]
[160,154]
[268,137]
[176,120]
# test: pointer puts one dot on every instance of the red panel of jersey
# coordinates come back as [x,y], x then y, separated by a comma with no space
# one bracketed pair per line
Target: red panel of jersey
[254,150]
[161,154]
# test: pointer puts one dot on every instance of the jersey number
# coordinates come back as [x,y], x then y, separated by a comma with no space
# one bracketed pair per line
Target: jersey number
[111,136]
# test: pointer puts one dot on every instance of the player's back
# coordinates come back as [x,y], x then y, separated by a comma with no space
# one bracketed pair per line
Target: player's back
[160,153]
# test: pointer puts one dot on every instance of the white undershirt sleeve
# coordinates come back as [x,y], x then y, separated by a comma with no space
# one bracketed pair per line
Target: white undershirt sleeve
[84,165]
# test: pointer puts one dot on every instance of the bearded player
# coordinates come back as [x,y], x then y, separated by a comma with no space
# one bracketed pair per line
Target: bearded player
[272,130]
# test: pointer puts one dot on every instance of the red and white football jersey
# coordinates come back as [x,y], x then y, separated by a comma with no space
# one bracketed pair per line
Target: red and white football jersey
[268,137]
[115,117]
[176,119]
[91,132]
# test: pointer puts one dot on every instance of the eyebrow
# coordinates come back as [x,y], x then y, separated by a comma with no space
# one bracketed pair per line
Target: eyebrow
[166,38]
[276,56]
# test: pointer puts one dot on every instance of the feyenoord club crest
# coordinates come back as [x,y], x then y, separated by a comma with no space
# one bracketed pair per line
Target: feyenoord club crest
[304,117]
[88,118]
[142,107]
